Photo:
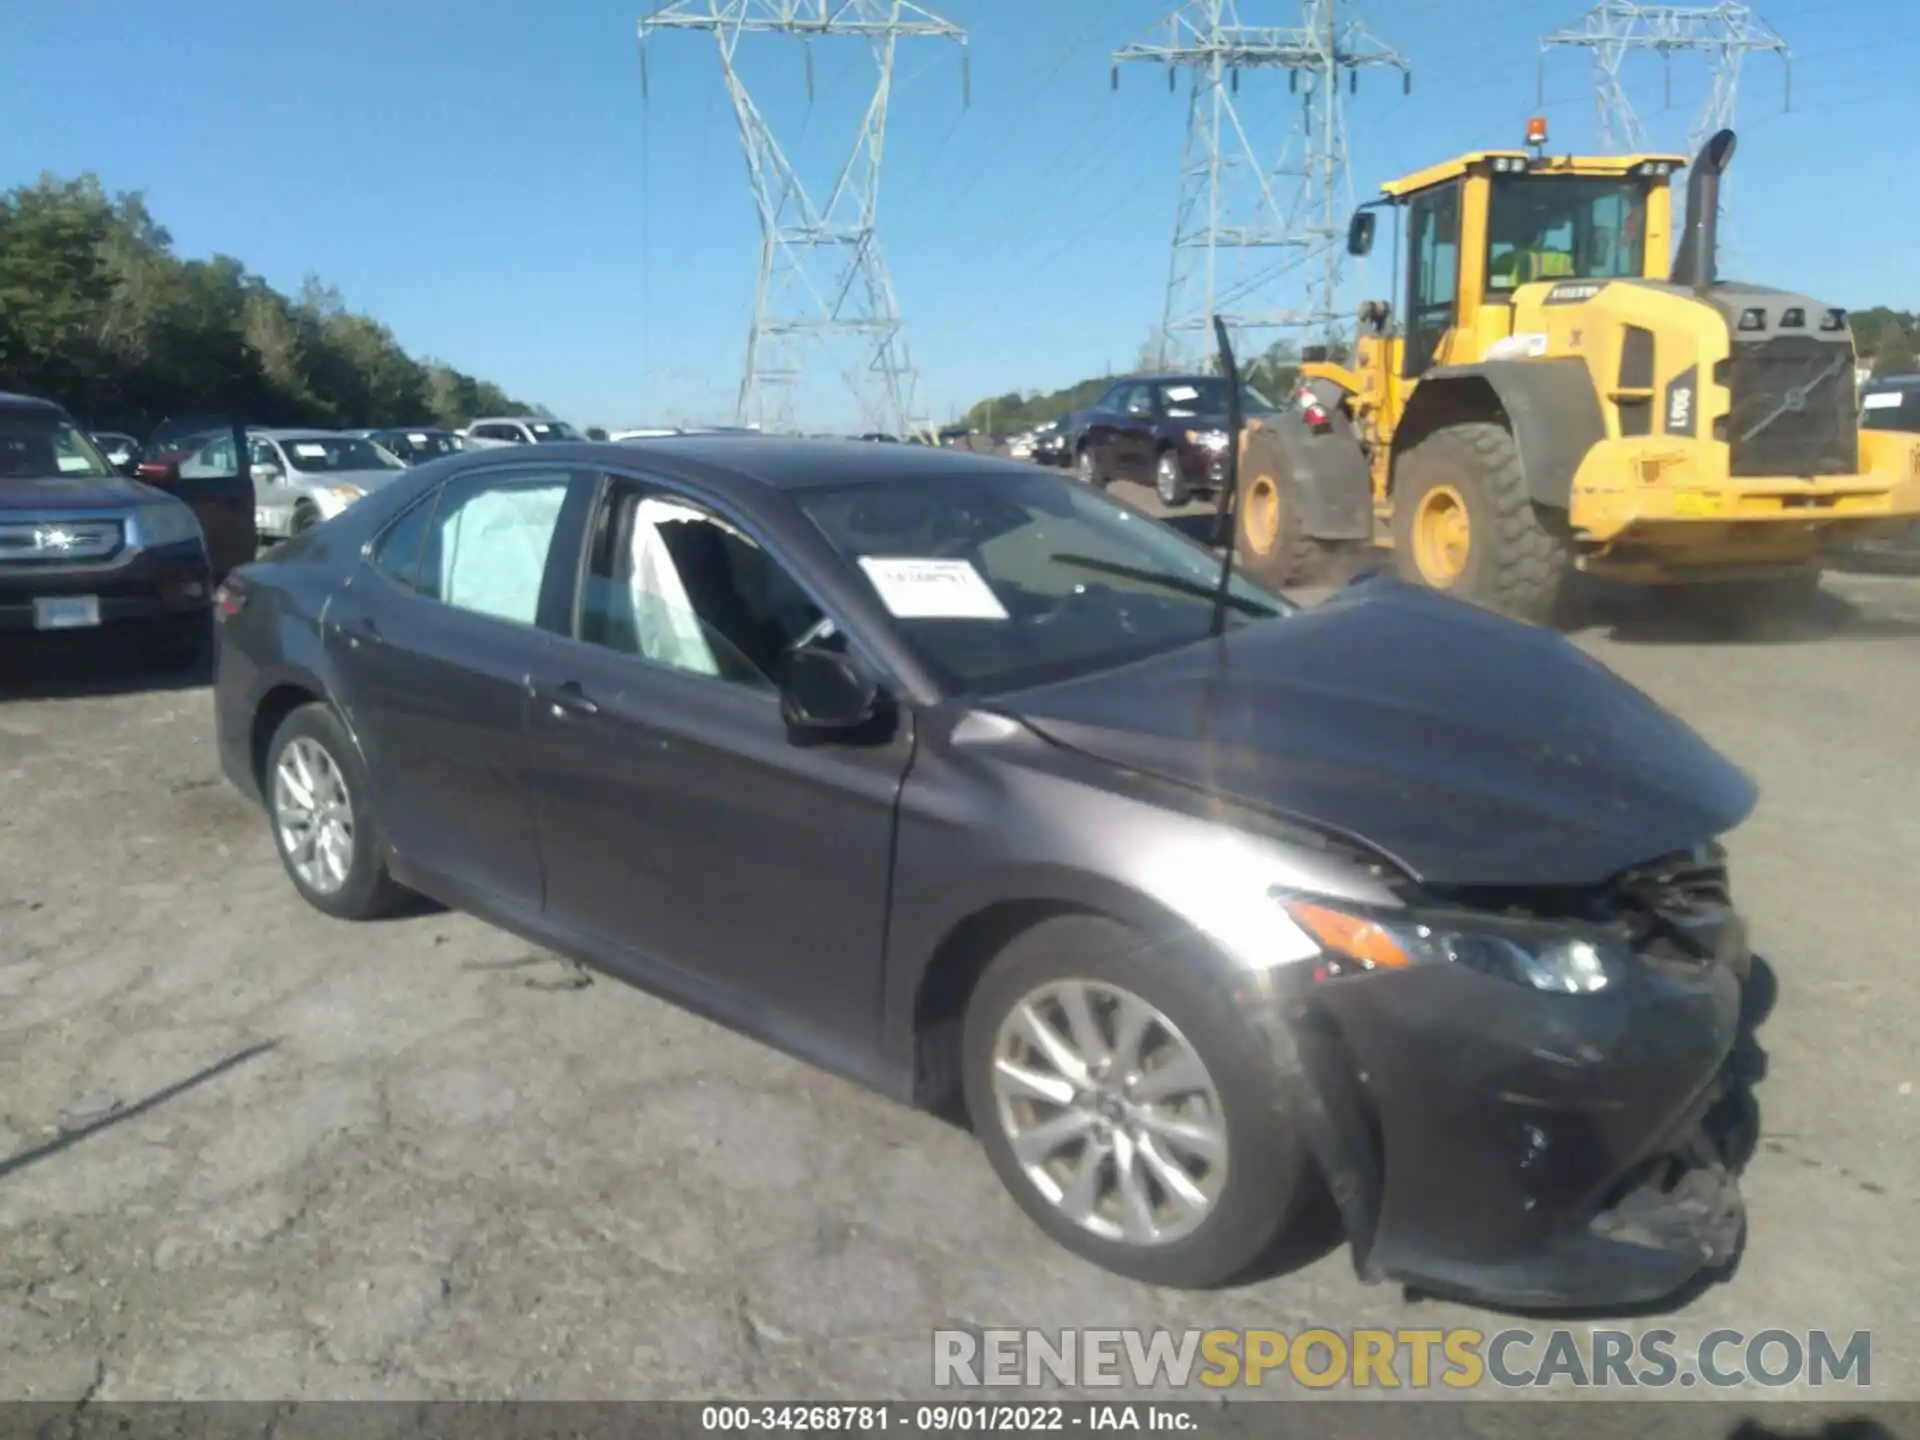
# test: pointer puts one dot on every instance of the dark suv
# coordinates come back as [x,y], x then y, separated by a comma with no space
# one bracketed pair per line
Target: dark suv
[1167,431]
[83,548]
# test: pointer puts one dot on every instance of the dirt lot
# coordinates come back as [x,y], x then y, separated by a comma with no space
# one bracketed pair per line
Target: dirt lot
[394,1160]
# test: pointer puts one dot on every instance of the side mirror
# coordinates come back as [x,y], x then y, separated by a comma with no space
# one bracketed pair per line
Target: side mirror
[1360,232]
[825,694]
[265,474]
[159,472]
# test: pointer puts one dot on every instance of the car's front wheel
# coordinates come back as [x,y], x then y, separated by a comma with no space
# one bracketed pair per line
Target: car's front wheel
[1132,1111]
[1170,481]
[324,825]
[1089,469]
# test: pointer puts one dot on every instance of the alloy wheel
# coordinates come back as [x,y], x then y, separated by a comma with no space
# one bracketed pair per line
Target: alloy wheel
[1110,1112]
[1167,480]
[313,815]
[1089,468]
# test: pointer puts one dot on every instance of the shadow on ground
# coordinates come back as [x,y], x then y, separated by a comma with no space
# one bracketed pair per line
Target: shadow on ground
[67,1139]
[74,667]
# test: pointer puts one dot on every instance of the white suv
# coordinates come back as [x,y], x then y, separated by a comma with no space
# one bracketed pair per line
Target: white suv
[519,430]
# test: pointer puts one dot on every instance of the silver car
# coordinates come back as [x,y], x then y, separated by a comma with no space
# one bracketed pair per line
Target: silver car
[518,430]
[302,477]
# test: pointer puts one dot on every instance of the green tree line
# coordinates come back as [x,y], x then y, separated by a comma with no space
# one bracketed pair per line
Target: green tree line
[99,313]
[1887,340]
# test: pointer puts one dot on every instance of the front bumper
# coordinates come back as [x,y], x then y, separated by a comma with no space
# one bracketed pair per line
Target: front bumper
[1204,469]
[1642,511]
[137,589]
[1505,1145]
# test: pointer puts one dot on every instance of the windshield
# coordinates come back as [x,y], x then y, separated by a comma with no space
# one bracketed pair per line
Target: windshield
[1207,395]
[36,444]
[419,445]
[1001,582]
[1564,227]
[1890,410]
[314,454]
[549,432]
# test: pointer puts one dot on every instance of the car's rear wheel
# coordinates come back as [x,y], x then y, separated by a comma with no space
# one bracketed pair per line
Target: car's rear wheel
[324,825]
[1132,1112]
[305,517]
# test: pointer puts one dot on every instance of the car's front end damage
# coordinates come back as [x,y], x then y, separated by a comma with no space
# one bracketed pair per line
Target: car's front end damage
[1535,1100]
[1519,1054]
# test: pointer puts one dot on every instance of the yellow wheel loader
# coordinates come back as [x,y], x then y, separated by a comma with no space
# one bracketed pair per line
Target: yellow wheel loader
[1550,393]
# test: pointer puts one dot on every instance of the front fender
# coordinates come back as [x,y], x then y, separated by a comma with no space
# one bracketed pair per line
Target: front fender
[1330,471]
[1550,406]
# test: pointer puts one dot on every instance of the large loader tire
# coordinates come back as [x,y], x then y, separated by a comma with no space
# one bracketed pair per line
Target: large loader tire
[1271,546]
[1465,524]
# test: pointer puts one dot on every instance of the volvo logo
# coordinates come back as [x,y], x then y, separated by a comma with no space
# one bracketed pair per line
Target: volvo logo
[54,537]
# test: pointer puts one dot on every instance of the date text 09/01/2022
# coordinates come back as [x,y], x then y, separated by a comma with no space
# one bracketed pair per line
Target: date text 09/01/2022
[942,1419]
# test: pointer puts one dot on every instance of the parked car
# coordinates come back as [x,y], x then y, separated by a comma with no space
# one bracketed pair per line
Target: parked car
[881,438]
[84,548]
[303,477]
[925,767]
[1891,402]
[1051,444]
[1167,431]
[418,445]
[122,451]
[643,432]
[196,460]
[519,430]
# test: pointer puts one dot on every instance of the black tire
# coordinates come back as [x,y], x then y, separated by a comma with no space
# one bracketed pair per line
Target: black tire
[185,644]
[1519,556]
[369,890]
[1271,546]
[305,517]
[1087,468]
[1261,1096]
[1169,481]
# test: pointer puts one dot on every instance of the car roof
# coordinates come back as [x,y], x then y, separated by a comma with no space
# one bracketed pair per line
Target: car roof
[772,461]
[515,420]
[28,402]
[1893,382]
[273,433]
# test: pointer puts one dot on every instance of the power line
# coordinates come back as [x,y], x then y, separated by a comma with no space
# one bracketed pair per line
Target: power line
[1727,32]
[1277,224]
[822,276]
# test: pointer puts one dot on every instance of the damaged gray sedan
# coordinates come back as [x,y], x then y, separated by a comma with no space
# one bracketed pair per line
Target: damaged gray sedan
[972,784]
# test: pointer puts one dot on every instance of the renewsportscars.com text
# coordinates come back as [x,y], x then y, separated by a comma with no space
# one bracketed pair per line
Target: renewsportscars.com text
[1411,1359]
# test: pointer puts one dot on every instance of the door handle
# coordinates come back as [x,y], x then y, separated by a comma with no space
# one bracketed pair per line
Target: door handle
[363,627]
[568,698]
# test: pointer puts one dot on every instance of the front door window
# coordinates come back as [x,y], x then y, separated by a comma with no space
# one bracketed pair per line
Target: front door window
[1433,280]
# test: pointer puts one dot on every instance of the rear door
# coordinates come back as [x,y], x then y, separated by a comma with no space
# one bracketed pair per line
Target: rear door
[1134,433]
[215,482]
[435,642]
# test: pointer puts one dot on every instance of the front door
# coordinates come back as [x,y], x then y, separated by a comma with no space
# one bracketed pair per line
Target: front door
[682,828]
[434,641]
[1133,451]
[1433,275]
[213,482]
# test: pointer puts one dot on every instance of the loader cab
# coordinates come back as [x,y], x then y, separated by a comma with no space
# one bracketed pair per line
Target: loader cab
[1478,227]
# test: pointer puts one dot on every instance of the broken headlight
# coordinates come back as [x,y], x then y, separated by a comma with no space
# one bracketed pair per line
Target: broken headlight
[1561,958]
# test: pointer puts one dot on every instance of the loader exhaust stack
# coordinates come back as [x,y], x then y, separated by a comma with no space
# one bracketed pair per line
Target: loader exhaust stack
[1696,263]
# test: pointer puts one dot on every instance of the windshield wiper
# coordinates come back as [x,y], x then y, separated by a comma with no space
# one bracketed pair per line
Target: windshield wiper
[1195,588]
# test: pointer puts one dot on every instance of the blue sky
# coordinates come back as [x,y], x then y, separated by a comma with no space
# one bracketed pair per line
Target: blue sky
[484,176]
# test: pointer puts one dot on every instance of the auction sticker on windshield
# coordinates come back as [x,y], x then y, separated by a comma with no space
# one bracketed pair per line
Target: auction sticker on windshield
[927,589]
[311,452]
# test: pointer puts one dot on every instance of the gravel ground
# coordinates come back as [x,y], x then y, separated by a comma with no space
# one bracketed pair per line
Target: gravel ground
[409,1160]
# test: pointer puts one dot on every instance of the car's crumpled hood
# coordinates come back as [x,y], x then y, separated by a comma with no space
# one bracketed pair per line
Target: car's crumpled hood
[1471,749]
[73,492]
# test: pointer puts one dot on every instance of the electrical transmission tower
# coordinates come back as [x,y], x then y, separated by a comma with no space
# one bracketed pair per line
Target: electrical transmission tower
[822,277]
[1727,33]
[1258,240]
